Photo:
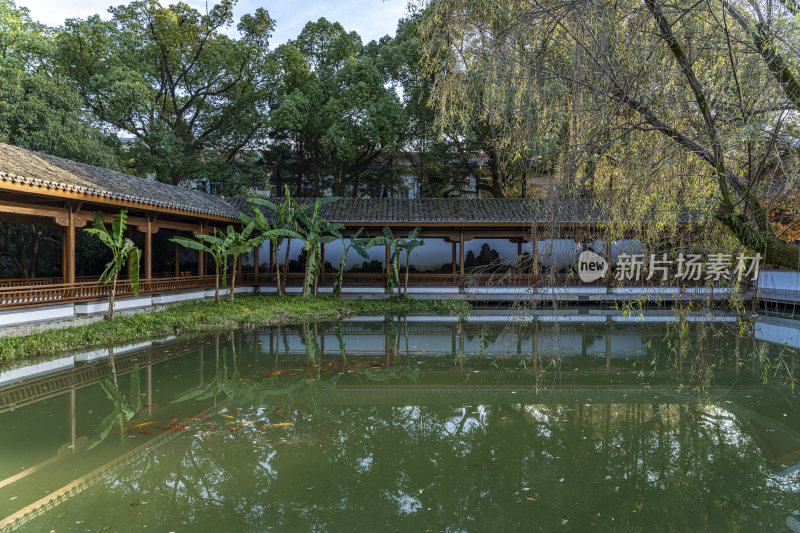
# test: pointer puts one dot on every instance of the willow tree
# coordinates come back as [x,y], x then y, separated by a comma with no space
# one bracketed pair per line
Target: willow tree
[658,107]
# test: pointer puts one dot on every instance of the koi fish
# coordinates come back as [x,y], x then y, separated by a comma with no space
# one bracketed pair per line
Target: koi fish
[143,424]
[279,425]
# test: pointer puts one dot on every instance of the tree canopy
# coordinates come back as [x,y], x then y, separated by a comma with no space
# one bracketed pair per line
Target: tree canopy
[653,106]
[191,97]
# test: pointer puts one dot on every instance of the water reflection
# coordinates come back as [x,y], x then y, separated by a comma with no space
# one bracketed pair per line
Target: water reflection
[417,425]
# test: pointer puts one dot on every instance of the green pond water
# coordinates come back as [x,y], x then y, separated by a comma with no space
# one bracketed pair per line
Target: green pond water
[422,424]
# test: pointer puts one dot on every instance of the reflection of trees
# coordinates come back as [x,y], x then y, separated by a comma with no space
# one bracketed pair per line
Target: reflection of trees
[362,462]
[124,408]
[614,466]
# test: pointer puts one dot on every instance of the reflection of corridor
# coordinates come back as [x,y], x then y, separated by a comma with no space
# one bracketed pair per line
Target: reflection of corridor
[598,348]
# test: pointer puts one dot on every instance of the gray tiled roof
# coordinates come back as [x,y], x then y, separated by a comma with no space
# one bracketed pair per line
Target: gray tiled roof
[445,210]
[33,168]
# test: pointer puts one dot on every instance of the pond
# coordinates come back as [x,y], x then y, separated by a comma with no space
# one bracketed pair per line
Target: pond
[576,422]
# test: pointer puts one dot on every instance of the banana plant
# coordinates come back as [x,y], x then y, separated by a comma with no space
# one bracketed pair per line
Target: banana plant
[241,243]
[388,239]
[124,408]
[267,232]
[396,247]
[218,246]
[315,231]
[284,227]
[359,245]
[123,251]
[409,245]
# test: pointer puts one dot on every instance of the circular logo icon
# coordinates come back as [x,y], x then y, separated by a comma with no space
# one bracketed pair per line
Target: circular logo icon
[591,266]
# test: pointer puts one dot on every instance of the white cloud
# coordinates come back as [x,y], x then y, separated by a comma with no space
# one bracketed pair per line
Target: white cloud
[372,19]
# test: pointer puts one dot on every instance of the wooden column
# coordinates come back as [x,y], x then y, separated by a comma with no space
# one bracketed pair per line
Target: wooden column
[148,249]
[535,255]
[177,260]
[609,275]
[453,262]
[68,244]
[201,259]
[461,256]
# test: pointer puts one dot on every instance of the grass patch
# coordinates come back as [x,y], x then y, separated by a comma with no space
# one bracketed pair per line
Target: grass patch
[196,317]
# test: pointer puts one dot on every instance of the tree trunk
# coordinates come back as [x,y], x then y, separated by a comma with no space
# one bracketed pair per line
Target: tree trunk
[233,278]
[110,313]
[216,286]
[405,283]
[277,269]
[286,265]
[773,250]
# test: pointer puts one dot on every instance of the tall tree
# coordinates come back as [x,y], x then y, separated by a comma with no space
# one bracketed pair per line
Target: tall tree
[193,98]
[334,113]
[41,110]
[668,104]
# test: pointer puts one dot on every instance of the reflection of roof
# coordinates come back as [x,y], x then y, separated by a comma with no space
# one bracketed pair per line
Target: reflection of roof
[19,165]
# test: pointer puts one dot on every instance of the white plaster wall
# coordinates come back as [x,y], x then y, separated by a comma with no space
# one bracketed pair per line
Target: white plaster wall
[782,280]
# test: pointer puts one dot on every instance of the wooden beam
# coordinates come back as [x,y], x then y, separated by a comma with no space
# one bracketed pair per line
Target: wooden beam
[71,195]
[28,219]
[18,208]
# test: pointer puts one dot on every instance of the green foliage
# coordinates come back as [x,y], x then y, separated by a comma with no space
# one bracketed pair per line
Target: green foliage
[334,117]
[191,96]
[353,243]
[315,231]
[294,220]
[39,107]
[123,251]
[196,317]
[124,408]
[660,110]
[219,246]
[397,246]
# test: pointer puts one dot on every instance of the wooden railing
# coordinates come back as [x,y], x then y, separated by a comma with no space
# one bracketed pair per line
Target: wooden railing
[43,291]
[57,293]
[27,282]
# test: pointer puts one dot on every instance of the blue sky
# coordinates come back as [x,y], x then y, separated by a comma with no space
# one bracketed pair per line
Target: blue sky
[370,18]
